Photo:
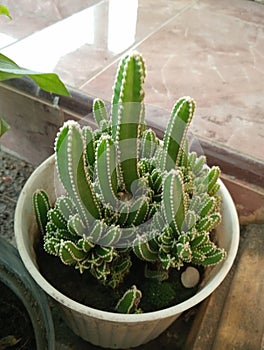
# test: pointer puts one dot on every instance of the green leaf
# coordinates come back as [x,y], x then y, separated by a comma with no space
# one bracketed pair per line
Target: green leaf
[50,82]
[46,81]
[3,126]
[4,11]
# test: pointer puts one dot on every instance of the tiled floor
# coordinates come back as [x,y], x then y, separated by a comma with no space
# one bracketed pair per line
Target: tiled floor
[211,50]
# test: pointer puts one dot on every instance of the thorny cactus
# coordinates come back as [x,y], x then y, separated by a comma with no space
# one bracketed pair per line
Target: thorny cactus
[129,193]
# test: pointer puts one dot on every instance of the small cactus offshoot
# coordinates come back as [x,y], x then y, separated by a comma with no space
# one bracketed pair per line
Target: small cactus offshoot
[127,193]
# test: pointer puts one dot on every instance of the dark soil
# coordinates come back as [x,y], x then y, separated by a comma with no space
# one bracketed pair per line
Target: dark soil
[13,174]
[15,322]
[85,289]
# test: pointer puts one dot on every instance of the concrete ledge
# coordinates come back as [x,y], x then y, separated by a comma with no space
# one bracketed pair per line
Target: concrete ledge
[35,116]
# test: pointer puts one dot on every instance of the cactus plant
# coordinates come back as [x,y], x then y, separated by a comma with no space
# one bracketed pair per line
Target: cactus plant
[130,195]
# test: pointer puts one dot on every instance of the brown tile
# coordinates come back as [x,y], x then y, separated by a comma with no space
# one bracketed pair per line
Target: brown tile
[213,52]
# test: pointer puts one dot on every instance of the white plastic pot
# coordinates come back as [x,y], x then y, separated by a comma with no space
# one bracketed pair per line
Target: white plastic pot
[106,329]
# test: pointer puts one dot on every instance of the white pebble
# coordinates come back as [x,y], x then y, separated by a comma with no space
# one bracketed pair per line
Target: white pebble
[190,277]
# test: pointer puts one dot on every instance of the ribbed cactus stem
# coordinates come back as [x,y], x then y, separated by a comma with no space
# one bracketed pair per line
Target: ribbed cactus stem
[75,225]
[145,249]
[211,180]
[111,237]
[127,116]
[99,112]
[174,200]
[66,207]
[70,160]
[106,171]
[87,134]
[138,211]
[148,144]
[41,207]
[175,134]
[129,302]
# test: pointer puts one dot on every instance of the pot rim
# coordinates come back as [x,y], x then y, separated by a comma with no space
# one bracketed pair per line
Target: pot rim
[222,269]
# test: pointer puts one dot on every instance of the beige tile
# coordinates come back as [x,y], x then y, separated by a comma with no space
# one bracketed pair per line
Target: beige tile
[82,44]
[29,16]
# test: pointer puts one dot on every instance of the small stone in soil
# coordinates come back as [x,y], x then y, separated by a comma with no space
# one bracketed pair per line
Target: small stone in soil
[190,277]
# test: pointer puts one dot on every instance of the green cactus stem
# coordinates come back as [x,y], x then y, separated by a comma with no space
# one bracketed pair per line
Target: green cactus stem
[88,137]
[70,161]
[106,170]
[127,115]
[145,249]
[129,302]
[75,225]
[41,207]
[100,113]
[211,180]
[180,119]
[174,200]
[149,143]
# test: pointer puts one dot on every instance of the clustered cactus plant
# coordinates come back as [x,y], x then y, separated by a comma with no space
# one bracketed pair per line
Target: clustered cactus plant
[129,193]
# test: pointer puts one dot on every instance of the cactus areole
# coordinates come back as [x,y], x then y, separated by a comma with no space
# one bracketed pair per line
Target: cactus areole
[129,196]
